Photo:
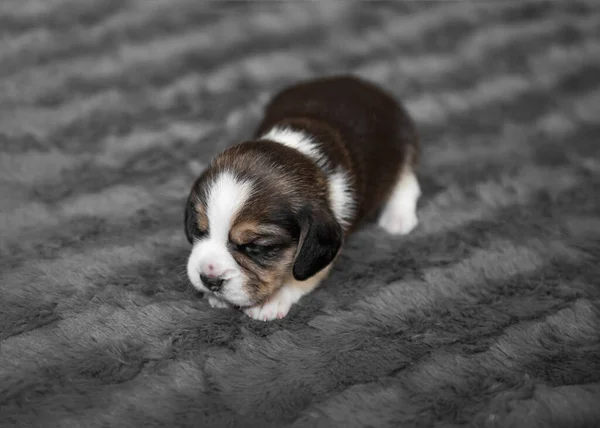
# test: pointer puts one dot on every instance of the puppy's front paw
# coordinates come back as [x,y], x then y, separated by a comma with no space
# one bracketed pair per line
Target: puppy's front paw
[276,307]
[215,302]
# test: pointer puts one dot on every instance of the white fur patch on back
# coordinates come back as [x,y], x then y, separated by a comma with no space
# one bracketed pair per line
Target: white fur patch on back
[341,197]
[296,140]
[340,192]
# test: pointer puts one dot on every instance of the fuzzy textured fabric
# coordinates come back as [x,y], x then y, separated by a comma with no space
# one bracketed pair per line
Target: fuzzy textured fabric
[487,315]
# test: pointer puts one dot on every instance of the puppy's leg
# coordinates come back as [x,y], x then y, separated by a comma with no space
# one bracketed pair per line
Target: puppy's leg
[399,216]
[281,302]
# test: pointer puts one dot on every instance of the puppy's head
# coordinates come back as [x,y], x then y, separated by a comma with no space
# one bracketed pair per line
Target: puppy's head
[258,216]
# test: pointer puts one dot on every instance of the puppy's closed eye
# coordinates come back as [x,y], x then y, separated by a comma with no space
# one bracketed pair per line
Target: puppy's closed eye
[252,249]
[259,248]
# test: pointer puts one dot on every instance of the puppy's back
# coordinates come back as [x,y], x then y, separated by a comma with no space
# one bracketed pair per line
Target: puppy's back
[378,136]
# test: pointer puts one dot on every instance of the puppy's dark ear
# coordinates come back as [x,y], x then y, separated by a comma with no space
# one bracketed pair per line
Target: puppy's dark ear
[320,240]
[190,220]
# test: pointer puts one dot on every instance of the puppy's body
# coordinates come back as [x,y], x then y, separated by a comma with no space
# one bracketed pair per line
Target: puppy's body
[358,129]
[268,216]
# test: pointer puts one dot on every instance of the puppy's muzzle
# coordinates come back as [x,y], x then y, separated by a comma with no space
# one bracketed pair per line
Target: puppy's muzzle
[213,283]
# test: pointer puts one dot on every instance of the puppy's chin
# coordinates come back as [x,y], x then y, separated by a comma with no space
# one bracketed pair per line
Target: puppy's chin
[234,293]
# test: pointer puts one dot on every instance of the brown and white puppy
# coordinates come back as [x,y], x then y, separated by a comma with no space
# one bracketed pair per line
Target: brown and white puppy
[268,216]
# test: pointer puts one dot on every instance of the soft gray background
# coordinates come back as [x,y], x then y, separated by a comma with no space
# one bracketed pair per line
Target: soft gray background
[488,314]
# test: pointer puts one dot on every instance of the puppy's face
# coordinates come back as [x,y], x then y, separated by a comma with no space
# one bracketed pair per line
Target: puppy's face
[253,227]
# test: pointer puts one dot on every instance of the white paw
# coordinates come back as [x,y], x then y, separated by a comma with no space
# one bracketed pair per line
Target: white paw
[215,302]
[398,223]
[276,308]
[399,216]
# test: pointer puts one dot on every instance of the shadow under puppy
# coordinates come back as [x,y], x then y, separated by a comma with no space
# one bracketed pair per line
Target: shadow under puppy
[268,216]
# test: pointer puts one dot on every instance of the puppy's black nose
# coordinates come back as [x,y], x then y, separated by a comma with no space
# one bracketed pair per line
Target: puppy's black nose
[213,283]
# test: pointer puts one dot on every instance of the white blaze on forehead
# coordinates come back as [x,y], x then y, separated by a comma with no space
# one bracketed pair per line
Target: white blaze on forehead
[226,196]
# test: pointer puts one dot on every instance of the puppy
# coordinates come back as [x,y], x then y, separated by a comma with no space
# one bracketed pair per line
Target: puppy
[268,216]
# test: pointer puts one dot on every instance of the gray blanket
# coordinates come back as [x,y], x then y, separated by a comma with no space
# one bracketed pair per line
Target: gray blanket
[487,315]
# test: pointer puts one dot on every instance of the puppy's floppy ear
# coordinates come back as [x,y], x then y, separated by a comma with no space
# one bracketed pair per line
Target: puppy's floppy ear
[320,240]
[190,220]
